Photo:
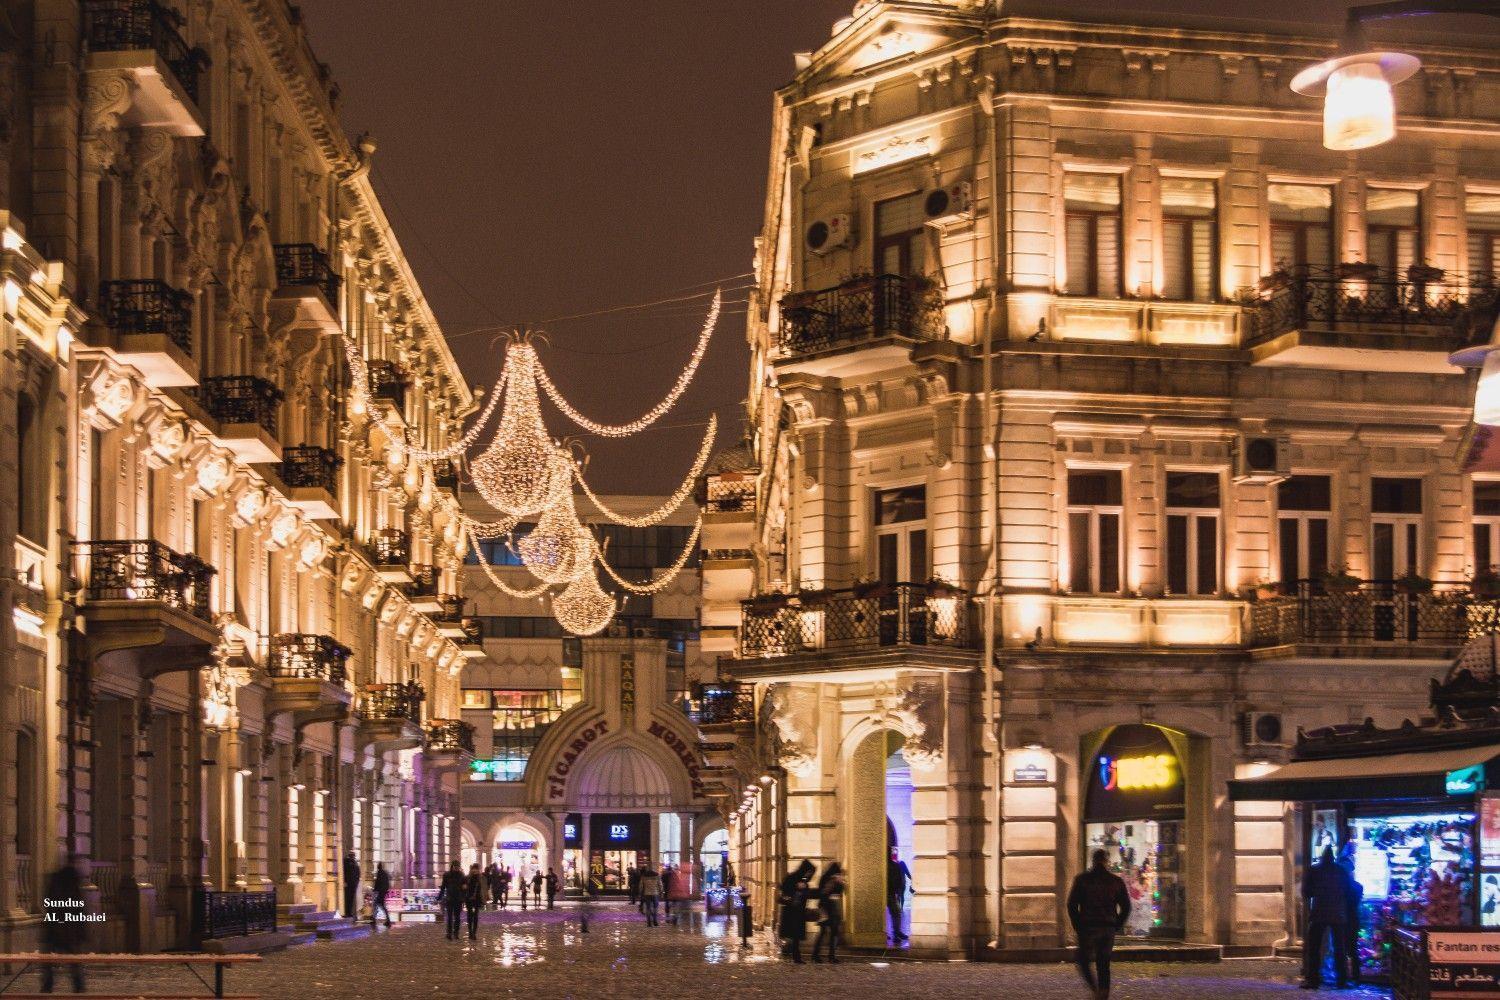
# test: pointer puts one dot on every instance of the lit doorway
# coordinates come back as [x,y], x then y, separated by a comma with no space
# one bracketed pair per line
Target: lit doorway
[521,851]
[879,842]
[714,857]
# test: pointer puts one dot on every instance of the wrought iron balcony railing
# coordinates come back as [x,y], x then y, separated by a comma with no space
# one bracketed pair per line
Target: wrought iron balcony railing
[1370,613]
[400,701]
[424,582]
[861,309]
[873,617]
[305,264]
[473,631]
[730,498]
[453,608]
[241,399]
[450,736]
[130,25]
[387,382]
[308,465]
[308,657]
[723,703]
[390,547]
[445,474]
[1351,297]
[146,570]
[148,306]
[234,914]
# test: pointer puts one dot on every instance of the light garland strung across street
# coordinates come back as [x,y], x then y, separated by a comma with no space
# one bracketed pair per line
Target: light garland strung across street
[500,584]
[652,415]
[660,582]
[583,607]
[489,529]
[673,502]
[469,437]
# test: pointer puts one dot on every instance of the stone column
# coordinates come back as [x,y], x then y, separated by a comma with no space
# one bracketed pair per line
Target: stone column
[257,861]
[137,896]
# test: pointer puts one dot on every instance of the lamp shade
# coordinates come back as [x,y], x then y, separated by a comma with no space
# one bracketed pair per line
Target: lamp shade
[1359,109]
[1487,396]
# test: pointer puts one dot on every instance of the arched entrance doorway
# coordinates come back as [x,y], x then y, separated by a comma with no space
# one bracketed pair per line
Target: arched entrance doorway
[468,851]
[879,843]
[521,850]
[1134,810]
[713,856]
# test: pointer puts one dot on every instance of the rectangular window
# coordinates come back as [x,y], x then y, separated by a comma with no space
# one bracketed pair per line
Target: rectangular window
[1192,533]
[1093,224]
[521,719]
[900,234]
[1301,226]
[1486,525]
[1303,505]
[1395,235]
[1190,239]
[1395,527]
[1095,509]
[1483,214]
[475,698]
[901,534]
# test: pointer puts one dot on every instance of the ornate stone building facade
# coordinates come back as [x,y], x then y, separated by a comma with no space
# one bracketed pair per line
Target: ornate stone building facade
[1103,437]
[231,646]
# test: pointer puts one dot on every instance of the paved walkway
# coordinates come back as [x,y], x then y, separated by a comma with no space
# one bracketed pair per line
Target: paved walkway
[543,956]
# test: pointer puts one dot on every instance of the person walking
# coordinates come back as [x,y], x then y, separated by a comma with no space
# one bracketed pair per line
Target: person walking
[633,884]
[536,888]
[1098,906]
[522,887]
[504,886]
[1328,890]
[474,898]
[831,909]
[650,888]
[380,888]
[551,888]
[62,898]
[492,882]
[1356,897]
[792,923]
[668,882]
[897,881]
[351,884]
[451,899]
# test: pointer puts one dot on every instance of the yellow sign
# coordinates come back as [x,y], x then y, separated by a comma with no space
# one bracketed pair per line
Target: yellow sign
[1133,773]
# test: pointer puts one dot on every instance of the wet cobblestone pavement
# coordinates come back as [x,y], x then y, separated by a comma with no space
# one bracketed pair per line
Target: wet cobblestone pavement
[542,955]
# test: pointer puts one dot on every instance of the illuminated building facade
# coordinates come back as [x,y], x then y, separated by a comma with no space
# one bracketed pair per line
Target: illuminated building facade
[229,652]
[1103,438]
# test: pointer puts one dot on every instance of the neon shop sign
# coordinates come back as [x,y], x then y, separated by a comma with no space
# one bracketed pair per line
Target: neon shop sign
[1128,774]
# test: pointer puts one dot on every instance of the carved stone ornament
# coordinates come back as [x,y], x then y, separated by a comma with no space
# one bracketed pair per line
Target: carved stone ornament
[919,710]
[110,396]
[794,712]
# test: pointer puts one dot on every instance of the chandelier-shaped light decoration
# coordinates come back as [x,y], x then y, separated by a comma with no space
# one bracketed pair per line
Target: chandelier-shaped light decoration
[667,576]
[559,549]
[583,608]
[489,529]
[522,472]
[661,513]
[495,579]
[652,415]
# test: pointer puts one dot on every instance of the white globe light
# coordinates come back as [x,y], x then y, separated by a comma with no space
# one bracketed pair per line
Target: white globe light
[1359,109]
[1487,396]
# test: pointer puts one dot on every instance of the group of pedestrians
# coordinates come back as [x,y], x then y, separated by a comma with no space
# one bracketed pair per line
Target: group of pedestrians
[801,902]
[1333,897]
[651,890]
[460,894]
[499,880]
[380,890]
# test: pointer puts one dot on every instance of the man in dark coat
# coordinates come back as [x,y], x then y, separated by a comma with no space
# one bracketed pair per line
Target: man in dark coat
[897,879]
[551,888]
[1356,897]
[633,884]
[451,899]
[792,924]
[505,878]
[1328,889]
[1098,906]
[474,898]
[351,884]
[380,888]
[492,880]
[63,928]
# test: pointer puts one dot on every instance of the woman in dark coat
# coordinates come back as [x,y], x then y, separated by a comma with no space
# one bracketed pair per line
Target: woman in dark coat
[792,925]
[831,909]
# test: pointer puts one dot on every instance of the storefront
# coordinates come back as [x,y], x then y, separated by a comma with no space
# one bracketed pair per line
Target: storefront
[618,842]
[521,851]
[1416,823]
[1134,811]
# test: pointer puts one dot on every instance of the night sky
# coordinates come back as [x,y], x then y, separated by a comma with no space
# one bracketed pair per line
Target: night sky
[542,159]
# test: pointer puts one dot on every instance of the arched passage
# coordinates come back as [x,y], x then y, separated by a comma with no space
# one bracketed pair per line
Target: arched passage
[878,825]
[520,847]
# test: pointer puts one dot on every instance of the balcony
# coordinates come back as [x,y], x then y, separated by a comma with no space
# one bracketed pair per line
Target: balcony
[472,642]
[140,40]
[1374,618]
[311,476]
[422,592]
[839,632]
[450,744]
[445,475]
[308,677]
[388,383]
[391,716]
[450,616]
[723,704]
[140,593]
[152,327]
[866,324]
[1359,318]
[390,551]
[307,287]
[246,408]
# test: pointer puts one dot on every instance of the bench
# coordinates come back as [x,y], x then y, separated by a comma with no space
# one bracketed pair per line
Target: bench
[189,960]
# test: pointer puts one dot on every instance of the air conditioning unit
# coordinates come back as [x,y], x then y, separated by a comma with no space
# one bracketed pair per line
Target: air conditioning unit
[830,234]
[1262,458]
[618,632]
[949,204]
[641,633]
[1262,729]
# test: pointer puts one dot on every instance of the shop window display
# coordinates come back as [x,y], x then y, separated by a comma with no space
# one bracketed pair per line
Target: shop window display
[1415,871]
[1147,855]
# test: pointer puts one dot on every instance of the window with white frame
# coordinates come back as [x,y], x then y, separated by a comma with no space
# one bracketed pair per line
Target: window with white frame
[901,534]
[1190,239]
[1193,532]
[1093,206]
[1395,235]
[1482,212]
[900,236]
[357,827]
[1301,226]
[1095,512]
[1395,527]
[1486,525]
[1303,508]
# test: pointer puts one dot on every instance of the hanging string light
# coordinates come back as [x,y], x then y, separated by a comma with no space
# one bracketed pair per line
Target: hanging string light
[469,437]
[661,582]
[583,608]
[489,529]
[500,584]
[559,549]
[359,376]
[652,415]
[673,502]
[522,472]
